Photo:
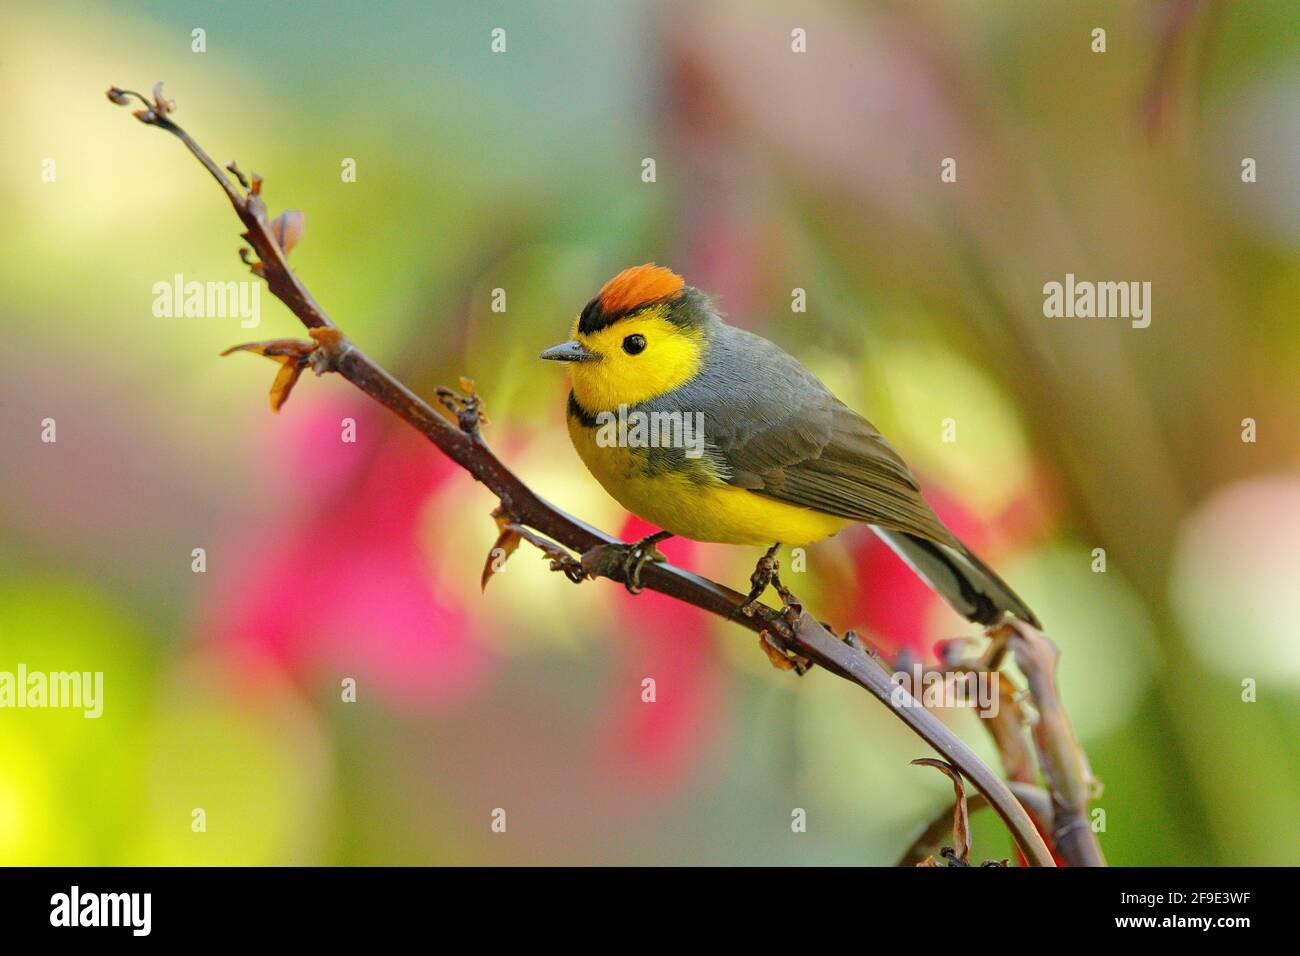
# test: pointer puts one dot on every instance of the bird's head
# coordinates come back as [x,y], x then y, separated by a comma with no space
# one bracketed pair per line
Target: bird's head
[643,335]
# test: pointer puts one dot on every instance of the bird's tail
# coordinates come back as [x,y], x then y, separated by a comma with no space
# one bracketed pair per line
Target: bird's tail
[970,586]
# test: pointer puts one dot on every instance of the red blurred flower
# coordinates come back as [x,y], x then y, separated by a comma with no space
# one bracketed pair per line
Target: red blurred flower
[664,639]
[890,599]
[341,587]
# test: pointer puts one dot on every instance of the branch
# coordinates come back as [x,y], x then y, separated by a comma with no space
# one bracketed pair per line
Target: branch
[794,628]
[1065,766]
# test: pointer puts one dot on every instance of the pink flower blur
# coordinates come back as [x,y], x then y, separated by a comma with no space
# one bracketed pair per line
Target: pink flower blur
[671,642]
[340,587]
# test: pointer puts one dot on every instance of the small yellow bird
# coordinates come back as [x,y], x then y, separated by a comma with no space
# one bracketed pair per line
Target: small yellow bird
[715,434]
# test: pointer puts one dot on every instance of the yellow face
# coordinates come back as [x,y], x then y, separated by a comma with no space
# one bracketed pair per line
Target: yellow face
[629,370]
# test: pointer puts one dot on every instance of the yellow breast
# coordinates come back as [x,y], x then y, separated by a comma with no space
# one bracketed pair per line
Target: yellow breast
[702,510]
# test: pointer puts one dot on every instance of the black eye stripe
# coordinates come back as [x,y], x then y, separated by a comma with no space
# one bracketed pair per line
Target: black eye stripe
[634,344]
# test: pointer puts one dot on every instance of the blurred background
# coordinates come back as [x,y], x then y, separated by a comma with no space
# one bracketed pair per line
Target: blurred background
[522,170]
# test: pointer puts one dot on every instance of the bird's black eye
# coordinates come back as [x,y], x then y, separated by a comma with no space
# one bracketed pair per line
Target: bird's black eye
[634,344]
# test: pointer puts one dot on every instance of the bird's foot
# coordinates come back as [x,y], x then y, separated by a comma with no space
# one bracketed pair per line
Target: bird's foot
[767,573]
[625,559]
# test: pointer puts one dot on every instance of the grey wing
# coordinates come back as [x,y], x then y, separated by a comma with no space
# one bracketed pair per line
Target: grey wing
[772,427]
[778,431]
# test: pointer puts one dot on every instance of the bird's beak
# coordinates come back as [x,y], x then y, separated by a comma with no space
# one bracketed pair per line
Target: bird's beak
[570,351]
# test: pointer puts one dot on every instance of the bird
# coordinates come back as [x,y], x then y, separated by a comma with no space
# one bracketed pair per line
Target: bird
[713,433]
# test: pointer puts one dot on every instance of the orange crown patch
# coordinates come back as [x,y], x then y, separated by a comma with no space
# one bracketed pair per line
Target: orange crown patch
[637,286]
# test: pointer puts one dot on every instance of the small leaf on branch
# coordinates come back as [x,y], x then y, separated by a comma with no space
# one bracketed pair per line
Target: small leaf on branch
[293,356]
[286,229]
[507,543]
[284,382]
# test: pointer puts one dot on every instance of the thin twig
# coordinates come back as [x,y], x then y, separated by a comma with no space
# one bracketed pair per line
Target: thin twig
[800,634]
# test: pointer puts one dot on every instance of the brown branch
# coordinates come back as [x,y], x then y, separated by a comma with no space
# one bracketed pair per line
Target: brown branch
[797,631]
[1065,766]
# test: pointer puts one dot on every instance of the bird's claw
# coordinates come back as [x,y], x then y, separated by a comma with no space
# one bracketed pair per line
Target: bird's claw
[767,573]
[624,560]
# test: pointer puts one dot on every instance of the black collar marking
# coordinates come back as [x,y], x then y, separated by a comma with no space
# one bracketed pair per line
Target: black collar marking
[580,413]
